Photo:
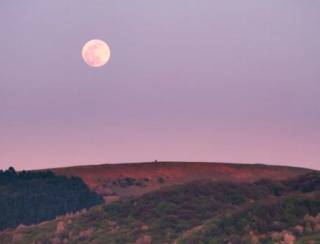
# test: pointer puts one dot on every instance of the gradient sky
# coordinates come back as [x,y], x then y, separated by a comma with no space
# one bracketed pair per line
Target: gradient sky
[233,81]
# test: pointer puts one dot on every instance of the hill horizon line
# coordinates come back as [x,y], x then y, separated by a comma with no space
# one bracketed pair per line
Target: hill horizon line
[262,164]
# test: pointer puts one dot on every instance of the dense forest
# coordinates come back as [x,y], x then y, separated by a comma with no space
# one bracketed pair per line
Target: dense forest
[30,197]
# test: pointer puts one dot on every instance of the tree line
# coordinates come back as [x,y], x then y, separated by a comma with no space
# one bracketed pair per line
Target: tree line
[30,197]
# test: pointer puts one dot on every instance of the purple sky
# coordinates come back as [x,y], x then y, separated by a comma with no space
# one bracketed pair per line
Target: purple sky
[234,81]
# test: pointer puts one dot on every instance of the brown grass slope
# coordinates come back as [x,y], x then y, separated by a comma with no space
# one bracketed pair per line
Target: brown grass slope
[133,179]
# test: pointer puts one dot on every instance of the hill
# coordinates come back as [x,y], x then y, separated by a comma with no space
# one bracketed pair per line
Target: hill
[114,181]
[202,211]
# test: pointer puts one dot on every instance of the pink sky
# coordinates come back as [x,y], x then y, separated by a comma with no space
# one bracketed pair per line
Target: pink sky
[231,81]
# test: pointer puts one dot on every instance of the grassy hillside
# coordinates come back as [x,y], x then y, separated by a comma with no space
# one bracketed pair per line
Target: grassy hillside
[114,181]
[198,212]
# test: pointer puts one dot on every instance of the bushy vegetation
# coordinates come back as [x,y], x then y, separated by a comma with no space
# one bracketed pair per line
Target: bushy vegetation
[169,212]
[129,181]
[304,183]
[198,212]
[31,197]
[264,217]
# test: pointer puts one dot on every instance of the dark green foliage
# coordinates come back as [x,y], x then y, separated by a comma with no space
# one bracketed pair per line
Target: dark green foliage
[178,208]
[283,208]
[200,212]
[32,197]
[265,217]
[261,206]
[305,183]
[129,181]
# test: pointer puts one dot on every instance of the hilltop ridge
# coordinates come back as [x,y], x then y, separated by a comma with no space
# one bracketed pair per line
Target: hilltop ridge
[114,181]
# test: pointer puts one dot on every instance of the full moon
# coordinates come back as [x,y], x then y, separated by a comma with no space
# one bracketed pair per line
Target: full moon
[96,53]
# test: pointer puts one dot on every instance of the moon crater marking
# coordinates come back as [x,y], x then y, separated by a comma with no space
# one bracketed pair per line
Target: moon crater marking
[96,53]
